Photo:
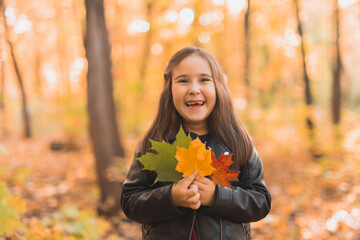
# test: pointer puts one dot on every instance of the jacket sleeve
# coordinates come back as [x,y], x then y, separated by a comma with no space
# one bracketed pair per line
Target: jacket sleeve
[248,201]
[144,202]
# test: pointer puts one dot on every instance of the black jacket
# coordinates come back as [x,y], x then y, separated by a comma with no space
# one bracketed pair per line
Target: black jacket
[234,208]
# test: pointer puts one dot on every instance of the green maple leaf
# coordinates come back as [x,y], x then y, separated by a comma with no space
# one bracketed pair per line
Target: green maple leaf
[164,162]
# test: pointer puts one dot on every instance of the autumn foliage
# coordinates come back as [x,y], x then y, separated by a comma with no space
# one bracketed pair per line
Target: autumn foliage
[195,158]
[185,156]
[163,162]
[222,175]
[313,176]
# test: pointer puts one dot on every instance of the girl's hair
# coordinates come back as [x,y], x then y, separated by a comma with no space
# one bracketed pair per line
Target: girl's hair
[223,123]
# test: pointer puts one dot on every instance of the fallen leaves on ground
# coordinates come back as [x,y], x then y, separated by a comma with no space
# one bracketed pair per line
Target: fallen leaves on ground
[311,199]
[53,195]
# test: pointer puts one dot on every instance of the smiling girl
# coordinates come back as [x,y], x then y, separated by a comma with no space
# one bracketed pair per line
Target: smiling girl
[196,97]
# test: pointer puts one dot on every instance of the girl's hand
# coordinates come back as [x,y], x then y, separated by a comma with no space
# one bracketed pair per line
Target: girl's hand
[185,194]
[206,190]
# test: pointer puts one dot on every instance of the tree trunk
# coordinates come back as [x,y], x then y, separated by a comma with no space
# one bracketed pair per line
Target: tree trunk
[101,107]
[3,122]
[220,39]
[25,114]
[308,95]
[38,79]
[147,46]
[247,50]
[3,117]
[315,149]
[195,26]
[337,69]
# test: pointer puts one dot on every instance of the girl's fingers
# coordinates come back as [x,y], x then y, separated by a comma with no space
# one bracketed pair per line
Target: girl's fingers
[186,192]
[196,205]
[194,188]
[189,179]
[199,184]
[203,180]
[194,199]
[203,184]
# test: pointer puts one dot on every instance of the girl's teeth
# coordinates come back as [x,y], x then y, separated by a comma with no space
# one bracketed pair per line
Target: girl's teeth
[194,104]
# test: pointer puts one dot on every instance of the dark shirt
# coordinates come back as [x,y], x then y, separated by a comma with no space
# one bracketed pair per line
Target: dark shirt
[203,138]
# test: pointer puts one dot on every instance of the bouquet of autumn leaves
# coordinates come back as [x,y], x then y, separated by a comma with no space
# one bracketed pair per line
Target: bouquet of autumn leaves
[183,157]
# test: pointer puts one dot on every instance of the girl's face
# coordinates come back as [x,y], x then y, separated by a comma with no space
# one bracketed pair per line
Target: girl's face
[193,92]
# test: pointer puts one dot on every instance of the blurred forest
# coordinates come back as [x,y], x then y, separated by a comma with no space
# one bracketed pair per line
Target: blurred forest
[292,67]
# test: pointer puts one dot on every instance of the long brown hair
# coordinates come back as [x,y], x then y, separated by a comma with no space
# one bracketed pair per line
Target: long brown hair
[223,123]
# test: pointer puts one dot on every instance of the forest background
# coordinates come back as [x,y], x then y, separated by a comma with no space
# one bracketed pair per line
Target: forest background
[292,67]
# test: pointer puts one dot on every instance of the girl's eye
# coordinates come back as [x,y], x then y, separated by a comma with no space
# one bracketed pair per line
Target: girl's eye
[205,79]
[182,81]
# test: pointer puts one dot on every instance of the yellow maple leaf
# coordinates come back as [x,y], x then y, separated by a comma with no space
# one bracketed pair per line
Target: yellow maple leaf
[196,157]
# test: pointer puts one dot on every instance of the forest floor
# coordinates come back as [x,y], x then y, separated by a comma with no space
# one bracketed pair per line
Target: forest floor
[311,198]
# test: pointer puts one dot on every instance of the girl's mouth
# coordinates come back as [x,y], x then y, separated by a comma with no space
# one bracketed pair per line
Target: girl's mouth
[194,104]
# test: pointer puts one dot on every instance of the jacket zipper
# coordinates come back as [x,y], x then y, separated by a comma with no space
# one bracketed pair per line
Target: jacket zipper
[221,229]
[193,225]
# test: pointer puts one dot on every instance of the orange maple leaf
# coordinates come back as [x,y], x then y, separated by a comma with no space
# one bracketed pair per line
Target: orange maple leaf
[196,157]
[222,175]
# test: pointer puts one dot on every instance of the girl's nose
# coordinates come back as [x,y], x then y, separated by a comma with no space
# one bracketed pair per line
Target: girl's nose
[194,88]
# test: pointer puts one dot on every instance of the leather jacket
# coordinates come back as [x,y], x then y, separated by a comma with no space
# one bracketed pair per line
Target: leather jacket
[234,208]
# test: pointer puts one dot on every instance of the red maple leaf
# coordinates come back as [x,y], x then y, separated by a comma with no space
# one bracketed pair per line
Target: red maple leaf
[222,175]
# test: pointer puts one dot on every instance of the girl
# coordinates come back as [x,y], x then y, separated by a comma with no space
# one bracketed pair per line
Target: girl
[195,96]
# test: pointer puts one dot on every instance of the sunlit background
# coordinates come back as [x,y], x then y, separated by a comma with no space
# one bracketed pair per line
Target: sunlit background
[313,180]
[48,38]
